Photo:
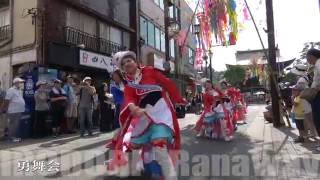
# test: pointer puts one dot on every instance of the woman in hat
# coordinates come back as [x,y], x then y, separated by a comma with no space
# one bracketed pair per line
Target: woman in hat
[58,100]
[41,97]
[148,121]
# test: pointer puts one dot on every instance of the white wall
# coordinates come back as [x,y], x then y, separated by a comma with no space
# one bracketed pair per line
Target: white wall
[5,72]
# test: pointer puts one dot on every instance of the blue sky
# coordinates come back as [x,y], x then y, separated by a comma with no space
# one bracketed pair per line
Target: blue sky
[296,22]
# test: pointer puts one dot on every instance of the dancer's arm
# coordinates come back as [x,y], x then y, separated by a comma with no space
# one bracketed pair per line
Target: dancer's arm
[168,86]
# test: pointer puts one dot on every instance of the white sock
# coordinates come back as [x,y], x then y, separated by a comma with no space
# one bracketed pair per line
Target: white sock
[163,158]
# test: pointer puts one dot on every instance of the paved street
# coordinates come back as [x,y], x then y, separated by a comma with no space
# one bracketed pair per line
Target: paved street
[258,151]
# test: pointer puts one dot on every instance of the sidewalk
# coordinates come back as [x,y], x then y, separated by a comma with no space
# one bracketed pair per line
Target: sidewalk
[279,155]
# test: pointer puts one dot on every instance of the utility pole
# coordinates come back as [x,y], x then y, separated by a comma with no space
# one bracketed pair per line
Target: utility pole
[272,61]
[166,31]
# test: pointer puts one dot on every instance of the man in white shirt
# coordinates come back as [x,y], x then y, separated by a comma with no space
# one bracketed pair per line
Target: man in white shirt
[14,106]
[313,58]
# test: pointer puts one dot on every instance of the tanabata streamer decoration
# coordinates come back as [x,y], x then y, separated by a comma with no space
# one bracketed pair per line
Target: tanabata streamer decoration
[221,18]
[205,30]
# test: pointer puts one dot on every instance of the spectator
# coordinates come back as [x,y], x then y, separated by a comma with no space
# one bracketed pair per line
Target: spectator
[298,111]
[86,103]
[14,105]
[304,80]
[106,109]
[3,122]
[313,58]
[42,109]
[58,99]
[71,111]
[117,88]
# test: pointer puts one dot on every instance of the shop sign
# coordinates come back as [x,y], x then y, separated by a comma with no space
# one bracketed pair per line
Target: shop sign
[95,60]
[158,62]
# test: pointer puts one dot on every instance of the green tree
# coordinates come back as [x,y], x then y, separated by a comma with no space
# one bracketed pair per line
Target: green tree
[235,75]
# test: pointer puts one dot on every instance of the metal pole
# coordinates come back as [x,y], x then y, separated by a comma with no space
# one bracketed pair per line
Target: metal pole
[166,29]
[273,64]
[206,67]
[210,56]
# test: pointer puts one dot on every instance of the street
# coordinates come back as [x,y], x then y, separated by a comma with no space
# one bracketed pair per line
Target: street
[258,151]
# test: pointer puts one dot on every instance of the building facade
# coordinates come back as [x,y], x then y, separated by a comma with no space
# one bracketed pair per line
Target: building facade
[65,36]
[152,39]
[78,37]
[18,38]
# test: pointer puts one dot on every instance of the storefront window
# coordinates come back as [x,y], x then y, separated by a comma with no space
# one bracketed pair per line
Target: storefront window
[151,34]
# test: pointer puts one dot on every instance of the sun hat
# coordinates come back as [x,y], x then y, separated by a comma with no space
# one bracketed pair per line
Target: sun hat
[119,57]
[299,69]
[87,78]
[17,80]
[57,80]
[39,83]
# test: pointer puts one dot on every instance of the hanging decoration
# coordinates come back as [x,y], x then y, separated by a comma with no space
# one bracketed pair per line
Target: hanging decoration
[219,17]
[198,59]
[205,30]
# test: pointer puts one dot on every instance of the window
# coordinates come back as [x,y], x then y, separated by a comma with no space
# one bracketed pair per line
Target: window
[172,48]
[4,18]
[81,22]
[159,3]
[115,35]
[143,28]
[158,38]
[121,11]
[162,4]
[110,9]
[104,31]
[171,13]
[151,34]
[163,42]
[191,55]
[4,3]
[126,40]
